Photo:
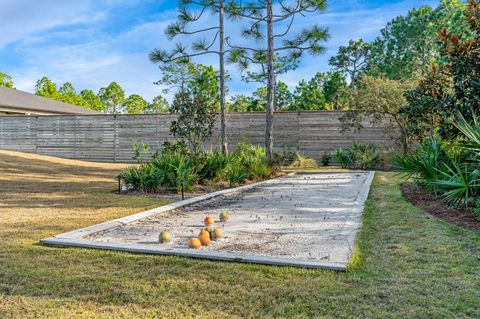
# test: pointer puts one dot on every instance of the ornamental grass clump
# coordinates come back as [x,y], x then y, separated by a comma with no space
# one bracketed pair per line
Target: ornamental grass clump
[303,161]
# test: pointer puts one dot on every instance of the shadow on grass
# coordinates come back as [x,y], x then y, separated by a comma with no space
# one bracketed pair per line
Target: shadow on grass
[406,265]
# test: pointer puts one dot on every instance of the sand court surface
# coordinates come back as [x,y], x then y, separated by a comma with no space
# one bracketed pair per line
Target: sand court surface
[307,219]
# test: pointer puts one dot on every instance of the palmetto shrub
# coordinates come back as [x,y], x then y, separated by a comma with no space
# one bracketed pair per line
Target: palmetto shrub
[366,155]
[173,169]
[214,165]
[459,183]
[143,178]
[254,160]
[345,157]
[362,156]
[174,165]
[235,173]
[326,158]
[454,174]
[424,163]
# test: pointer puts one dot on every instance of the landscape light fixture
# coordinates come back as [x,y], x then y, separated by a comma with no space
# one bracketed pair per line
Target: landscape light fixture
[119,178]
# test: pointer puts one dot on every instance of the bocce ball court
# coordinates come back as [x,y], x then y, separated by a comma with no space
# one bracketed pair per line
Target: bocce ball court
[304,219]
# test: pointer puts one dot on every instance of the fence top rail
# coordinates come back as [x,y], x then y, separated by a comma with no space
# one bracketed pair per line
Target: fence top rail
[169,114]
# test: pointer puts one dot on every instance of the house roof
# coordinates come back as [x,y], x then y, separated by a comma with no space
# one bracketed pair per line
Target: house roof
[19,100]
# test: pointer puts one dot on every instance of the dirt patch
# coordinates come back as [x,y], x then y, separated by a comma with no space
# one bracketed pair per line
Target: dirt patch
[433,205]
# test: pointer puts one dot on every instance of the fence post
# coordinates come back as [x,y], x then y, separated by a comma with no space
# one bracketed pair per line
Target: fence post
[36,134]
[115,138]
[75,137]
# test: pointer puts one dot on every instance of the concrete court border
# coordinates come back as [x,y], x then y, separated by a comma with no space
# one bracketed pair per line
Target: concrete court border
[73,238]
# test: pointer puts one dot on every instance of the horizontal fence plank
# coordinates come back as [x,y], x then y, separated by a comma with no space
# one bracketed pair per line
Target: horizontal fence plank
[110,138]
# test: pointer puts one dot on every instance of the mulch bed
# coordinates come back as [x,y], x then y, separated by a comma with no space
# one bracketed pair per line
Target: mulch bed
[433,205]
[197,191]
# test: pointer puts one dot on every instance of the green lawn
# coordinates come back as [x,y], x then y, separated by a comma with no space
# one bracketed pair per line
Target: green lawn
[407,264]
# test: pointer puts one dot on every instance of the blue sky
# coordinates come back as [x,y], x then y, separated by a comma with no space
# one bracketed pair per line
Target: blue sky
[93,42]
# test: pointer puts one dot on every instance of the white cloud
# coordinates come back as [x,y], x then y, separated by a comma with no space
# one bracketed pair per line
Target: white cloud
[22,18]
[123,57]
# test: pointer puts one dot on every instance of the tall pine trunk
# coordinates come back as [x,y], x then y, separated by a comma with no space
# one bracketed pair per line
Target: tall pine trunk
[223,110]
[270,83]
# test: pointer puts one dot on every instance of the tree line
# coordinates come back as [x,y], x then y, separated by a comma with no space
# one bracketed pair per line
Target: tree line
[110,99]
[418,74]
[388,77]
[380,73]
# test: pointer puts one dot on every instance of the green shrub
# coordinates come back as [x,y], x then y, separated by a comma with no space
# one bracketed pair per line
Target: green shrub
[214,165]
[345,157]
[175,164]
[366,155]
[449,168]
[458,183]
[326,158]
[143,178]
[254,160]
[260,170]
[424,163]
[173,169]
[235,173]
[131,176]
[362,156]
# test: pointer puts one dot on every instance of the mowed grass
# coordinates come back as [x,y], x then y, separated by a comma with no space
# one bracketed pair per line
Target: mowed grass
[406,263]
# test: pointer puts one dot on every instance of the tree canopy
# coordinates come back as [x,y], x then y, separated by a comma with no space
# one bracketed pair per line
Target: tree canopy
[6,80]
[379,100]
[351,60]
[451,85]
[113,97]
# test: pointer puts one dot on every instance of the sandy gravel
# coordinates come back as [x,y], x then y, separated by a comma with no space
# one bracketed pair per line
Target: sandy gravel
[305,216]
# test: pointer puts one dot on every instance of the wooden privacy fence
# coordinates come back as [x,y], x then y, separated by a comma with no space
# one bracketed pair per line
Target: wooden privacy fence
[107,138]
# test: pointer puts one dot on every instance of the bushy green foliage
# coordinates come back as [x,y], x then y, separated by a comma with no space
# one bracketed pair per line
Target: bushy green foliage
[170,168]
[451,85]
[235,173]
[216,164]
[408,44]
[459,183]
[6,80]
[424,163]
[110,99]
[326,158]
[449,169]
[174,169]
[358,156]
[345,157]
[324,91]
[143,178]
[253,159]
[195,121]
[352,59]
[176,164]
[380,101]
[113,98]
[366,155]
